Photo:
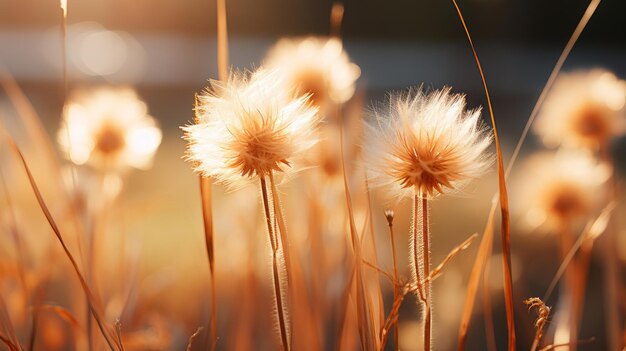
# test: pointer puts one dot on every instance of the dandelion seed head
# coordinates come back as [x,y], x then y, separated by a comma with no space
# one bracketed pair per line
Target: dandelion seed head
[558,188]
[249,126]
[426,144]
[584,109]
[108,128]
[318,66]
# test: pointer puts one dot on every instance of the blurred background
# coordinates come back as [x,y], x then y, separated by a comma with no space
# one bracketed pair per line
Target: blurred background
[166,49]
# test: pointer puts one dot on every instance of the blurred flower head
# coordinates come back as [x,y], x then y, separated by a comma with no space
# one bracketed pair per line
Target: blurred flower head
[426,144]
[318,66]
[108,128]
[584,109]
[560,188]
[249,126]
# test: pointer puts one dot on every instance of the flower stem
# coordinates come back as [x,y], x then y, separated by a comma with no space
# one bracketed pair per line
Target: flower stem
[207,216]
[276,275]
[426,267]
[396,286]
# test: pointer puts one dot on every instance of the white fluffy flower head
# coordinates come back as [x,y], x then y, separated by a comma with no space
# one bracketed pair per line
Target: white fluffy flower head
[426,144]
[248,127]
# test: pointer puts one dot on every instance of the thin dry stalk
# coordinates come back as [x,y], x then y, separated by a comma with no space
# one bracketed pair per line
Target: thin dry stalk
[19,245]
[392,318]
[364,321]
[389,215]
[482,257]
[280,310]
[480,262]
[591,8]
[490,333]
[592,231]
[97,314]
[207,217]
[426,268]
[543,313]
[504,200]
[294,277]
[193,337]
[34,128]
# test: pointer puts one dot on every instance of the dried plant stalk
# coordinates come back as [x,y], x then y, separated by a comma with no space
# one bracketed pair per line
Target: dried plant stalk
[482,257]
[207,217]
[280,302]
[364,321]
[95,310]
[543,313]
[504,200]
[389,215]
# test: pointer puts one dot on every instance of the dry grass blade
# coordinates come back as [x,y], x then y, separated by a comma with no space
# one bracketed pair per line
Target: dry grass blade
[118,333]
[463,246]
[32,124]
[365,325]
[593,5]
[19,245]
[93,306]
[64,314]
[193,337]
[387,275]
[591,232]
[504,200]
[484,252]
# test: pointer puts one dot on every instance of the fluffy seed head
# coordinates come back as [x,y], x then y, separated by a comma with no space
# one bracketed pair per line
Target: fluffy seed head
[426,144]
[584,109]
[318,66]
[249,126]
[555,189]
[108,128]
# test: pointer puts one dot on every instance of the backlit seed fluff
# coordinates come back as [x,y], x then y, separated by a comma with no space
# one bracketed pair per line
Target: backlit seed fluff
[560,188]
[108,128]
[249,127]
[319,66]
[426,144]
[584,109]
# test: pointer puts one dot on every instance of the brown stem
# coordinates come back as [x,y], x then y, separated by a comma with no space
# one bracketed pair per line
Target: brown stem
[426,266]
[207,218]
[276,276]
[396,287]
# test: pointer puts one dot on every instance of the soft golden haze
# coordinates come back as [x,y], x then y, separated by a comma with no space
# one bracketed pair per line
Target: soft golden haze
[584,109]
[562,187]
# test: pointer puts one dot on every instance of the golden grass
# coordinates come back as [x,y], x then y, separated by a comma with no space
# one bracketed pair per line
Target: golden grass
[328,270]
